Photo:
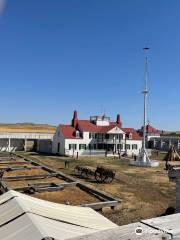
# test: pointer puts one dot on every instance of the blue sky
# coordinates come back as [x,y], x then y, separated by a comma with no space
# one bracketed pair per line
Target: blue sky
[61,55]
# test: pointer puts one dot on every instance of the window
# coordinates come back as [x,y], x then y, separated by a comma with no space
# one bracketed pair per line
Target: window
[91,146]
[120,136]
[92,135]
[97,135]
[107,136]
[77,134]
[130,135]
[82,146]
[58,148]
[128,146]
[119,146]
[72,146]
[134,146]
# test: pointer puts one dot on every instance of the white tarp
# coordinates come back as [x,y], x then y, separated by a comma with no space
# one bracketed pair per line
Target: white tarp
[26,218]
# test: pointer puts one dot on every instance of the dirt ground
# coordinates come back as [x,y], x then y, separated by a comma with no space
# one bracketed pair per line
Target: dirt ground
[71,195]
[14,184]
[14,165]
[145,192]
[26,172]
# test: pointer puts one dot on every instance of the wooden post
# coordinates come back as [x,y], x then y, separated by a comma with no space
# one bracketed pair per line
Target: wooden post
[174,175]
[178,143]
[178,195]
[37,146]
[25,144]
[9,145]
[73,152]
[170,143]
[154,143]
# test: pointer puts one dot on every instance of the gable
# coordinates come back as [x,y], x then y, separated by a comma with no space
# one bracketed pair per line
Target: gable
[116,130]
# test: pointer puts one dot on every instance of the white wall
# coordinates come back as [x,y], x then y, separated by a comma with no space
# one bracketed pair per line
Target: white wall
[72,152]
[45,146]
[89,141]
[58,138]
[134,151]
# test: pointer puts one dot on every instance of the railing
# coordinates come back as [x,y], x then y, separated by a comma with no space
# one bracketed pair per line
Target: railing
[86,152]
[111,141]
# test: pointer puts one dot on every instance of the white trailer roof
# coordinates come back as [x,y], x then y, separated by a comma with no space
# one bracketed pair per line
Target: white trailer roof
[25,217]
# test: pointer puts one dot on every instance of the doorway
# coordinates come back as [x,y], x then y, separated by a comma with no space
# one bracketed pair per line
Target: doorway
[58,148]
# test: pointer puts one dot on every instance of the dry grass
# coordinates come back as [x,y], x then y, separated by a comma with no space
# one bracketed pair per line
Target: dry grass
[25,172]
[14,165]
[38,128]
[146,192]
[70,195]
[23,183]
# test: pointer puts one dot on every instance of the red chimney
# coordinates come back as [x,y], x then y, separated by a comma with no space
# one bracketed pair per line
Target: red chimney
[75,119]
[118,121]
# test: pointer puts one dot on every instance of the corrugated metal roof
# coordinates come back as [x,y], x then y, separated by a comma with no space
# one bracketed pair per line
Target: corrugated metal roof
[24,217]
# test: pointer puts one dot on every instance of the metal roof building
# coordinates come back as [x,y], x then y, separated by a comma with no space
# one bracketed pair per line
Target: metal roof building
[160,228]
[23,217]
[26,218]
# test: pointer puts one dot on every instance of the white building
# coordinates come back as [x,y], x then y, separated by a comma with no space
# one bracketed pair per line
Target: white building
[151,132]
[11,141]
[95,136]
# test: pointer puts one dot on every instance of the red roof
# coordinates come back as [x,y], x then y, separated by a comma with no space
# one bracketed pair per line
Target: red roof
[150,129]
[135,135]
[87,126]
[68,131]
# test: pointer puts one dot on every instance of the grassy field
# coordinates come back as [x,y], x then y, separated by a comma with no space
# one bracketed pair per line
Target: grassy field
[145,192]
[27,127]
